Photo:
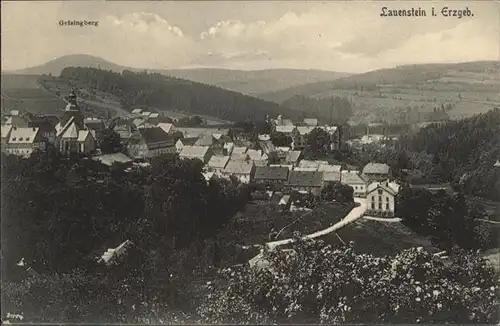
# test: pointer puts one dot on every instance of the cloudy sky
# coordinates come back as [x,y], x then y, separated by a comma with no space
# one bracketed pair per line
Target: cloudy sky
[335,35]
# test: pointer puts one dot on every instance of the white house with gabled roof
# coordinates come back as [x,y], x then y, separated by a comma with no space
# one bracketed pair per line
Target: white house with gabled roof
[381,198]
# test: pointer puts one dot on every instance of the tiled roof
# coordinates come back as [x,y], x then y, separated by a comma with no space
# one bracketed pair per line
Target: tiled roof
[285,129]
[82,135]
[188,141]
[109,159]
[145,113]
[238,167]
[311,164]
[218,162]
[135,111]
[376,168]
[196,132]
[71,131]
[260,162]
[6,130]
[138,122]
[23,135]
[167,127]
[331,176]
[154,115]
[272,173]
[352,178]
[305,179]
[329,168]
[254,154]
[304,130]
[239,150]
[288,166]
[205,139]
[293,156]
[239,156]
[155,135]
[194,152]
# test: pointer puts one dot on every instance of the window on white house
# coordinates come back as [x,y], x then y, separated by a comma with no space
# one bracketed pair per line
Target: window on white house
[379,205]
[380,192]
[373,198]
[373,205]
[387,206]
[387,198]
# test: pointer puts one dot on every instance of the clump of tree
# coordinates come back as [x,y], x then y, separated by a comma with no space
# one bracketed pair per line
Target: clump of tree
[337,191]
[194,121]
[280,139]
[318,144]
[448,219]
[109,141]
[322,284]
[462,152]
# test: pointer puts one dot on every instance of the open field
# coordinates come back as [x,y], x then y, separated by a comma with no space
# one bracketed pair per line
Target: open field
[378,238]
[24,93]
[471,88]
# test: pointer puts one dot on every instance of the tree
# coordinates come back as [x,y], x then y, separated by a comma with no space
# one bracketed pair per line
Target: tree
[110,142]
[321,284]
[318,143]
[336,191]
[280,139]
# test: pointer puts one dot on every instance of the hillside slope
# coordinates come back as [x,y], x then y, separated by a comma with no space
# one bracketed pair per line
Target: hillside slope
[463,152]
[471,87]
[248,82]
[255,81]
[161,93]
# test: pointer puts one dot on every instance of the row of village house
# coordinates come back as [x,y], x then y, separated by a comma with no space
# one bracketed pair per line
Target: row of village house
[221,155]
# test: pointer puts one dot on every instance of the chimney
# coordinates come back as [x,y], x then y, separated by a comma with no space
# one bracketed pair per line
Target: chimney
[34,129]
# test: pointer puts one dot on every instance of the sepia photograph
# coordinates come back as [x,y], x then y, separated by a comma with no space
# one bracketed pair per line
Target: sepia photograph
[250,162]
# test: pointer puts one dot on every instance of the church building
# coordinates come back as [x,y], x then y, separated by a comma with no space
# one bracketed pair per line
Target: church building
[71,134]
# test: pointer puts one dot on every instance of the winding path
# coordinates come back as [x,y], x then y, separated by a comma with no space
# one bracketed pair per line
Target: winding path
[353,215]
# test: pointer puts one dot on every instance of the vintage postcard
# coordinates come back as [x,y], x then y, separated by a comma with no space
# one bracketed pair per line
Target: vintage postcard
[250,162]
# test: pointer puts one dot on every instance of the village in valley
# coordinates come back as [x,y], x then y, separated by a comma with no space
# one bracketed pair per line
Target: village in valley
[244,177]
[225,152]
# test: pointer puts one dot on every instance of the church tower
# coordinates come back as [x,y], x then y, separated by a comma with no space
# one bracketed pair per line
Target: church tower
[72,111]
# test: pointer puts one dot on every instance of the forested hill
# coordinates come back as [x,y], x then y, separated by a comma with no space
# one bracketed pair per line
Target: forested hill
[463,152]
[162,93]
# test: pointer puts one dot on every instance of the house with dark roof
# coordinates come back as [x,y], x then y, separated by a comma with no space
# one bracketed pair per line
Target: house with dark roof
[151,142]
[270,177]
[242,170]
[376,171]
[46,126]
[305,181]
